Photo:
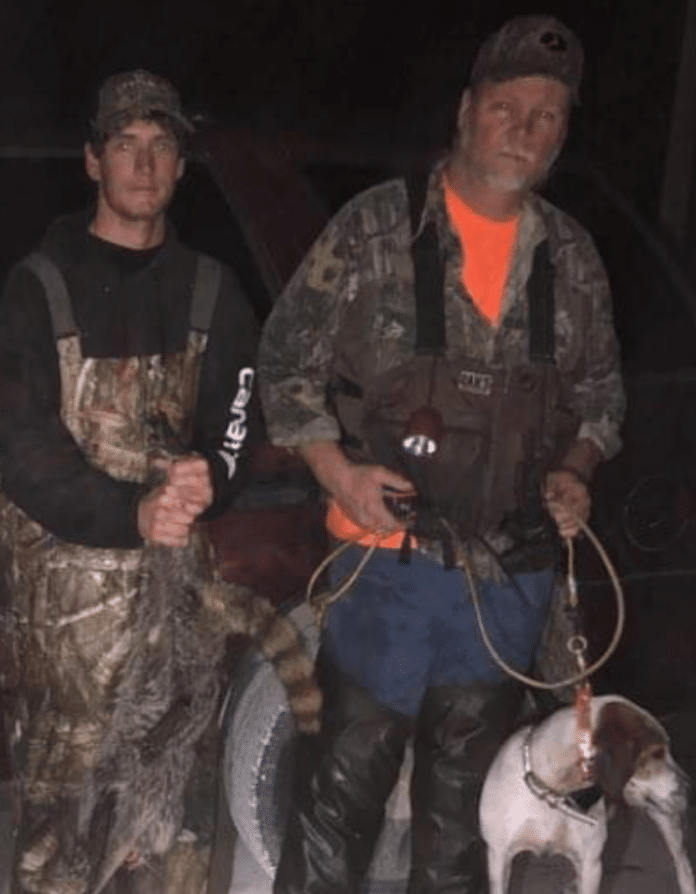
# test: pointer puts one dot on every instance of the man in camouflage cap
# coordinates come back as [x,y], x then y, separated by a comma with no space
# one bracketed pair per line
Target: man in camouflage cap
[122,350]
[461,328]
[531,45]
[138,95]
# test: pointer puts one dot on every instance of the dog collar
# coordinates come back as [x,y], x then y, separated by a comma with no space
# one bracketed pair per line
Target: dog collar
[565,803]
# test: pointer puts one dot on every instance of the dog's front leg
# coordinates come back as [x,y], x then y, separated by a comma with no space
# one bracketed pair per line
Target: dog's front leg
[499,867]
[671,828]
[588,871]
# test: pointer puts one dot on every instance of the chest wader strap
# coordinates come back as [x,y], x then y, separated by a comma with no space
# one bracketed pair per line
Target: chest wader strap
[429,271]
[542,351]
[56,291]
[542,307]
[206,287]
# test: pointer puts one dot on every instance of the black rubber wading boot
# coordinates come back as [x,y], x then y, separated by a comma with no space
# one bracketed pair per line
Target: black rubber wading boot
[343,779]
[460,729]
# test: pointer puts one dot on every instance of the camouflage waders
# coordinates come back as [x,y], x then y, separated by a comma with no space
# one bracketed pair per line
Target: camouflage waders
[94,669]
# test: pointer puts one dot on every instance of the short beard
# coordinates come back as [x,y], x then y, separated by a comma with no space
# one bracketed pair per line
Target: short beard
[520,183]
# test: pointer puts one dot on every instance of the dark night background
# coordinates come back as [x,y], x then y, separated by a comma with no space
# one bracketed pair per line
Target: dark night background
[343,68]
[375,79]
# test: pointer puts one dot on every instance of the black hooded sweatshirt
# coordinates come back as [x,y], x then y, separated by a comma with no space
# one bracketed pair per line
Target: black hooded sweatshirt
[126,303]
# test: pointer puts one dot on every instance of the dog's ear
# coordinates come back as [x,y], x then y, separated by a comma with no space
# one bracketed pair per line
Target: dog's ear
[624,736]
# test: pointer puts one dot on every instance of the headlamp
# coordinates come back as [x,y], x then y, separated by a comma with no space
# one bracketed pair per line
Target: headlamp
[423,433]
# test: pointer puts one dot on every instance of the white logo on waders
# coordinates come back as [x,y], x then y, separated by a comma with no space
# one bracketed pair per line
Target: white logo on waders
[475,382]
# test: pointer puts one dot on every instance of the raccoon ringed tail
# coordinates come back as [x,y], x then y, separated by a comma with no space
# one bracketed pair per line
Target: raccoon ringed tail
[279,641]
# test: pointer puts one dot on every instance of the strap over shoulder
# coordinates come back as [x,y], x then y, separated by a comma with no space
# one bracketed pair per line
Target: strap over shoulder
[429,270]
[206,287]
[59,304]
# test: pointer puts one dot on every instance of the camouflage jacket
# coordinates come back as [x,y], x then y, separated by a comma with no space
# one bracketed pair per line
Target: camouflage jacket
[360,267]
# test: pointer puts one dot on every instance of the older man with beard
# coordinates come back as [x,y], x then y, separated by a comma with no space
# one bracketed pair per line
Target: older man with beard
[445,361]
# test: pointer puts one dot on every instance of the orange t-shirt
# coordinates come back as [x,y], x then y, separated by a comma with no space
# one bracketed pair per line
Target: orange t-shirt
[488,247]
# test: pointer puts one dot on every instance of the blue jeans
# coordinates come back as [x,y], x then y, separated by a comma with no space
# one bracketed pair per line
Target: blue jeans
[403,628]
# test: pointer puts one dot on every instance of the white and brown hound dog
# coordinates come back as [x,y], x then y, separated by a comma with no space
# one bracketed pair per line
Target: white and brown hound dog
[536,798]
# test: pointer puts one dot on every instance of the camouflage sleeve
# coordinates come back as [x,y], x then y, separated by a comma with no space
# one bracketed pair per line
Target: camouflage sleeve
[598,395]
[296,349]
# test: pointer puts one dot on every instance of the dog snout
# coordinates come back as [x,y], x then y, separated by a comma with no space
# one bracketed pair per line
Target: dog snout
[661,785]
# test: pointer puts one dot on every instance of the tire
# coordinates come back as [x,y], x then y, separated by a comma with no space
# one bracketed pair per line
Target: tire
[258,765]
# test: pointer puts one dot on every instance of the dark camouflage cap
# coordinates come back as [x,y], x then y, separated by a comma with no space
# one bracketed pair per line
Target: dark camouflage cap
[531,45]
[137,94]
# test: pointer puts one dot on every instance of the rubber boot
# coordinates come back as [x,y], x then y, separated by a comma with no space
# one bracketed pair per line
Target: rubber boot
[459,732]
[343,779]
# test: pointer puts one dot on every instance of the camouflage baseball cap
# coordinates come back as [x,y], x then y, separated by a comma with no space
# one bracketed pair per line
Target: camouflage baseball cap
[531,45]
[137,94]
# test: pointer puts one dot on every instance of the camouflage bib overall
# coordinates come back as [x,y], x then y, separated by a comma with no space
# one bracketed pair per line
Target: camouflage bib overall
[93,662]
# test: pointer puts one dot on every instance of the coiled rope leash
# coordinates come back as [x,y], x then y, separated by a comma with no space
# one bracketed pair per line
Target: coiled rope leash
[577,644]
[324,599]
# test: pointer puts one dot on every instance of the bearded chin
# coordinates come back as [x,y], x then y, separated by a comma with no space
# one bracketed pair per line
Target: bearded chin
[523,182]
[509,182]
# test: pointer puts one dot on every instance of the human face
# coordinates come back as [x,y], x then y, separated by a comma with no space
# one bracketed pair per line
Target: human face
[510,133]
[137,172]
